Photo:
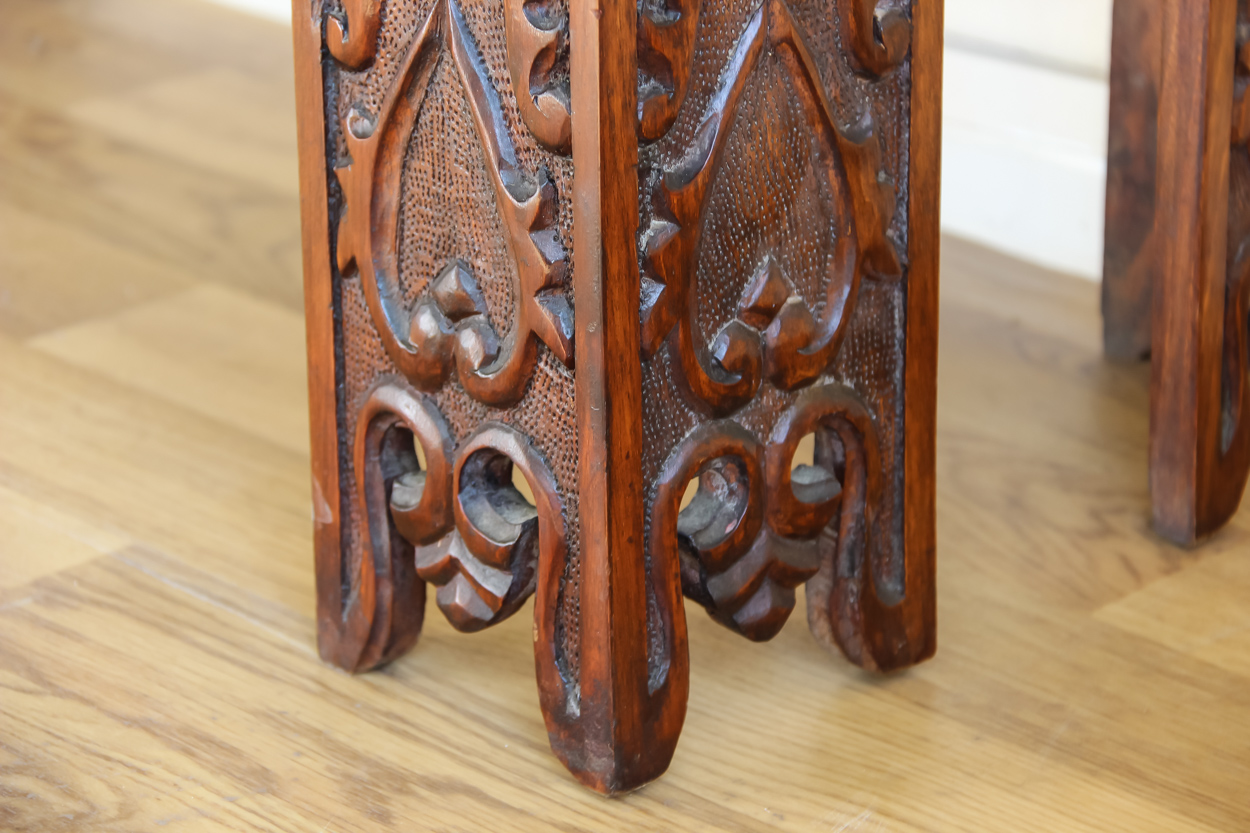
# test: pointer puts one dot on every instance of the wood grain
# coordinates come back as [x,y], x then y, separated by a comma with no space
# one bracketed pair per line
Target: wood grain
[1092,677]
[1200,400]
[1131,258]
[1175,284]
[209,350]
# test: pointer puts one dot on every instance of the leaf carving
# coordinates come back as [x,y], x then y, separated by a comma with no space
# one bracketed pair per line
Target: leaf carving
[794,348]
[426,341]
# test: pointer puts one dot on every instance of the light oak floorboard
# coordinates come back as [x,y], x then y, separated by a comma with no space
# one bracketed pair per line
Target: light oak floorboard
[213,350]
[181,118]
[56,275]
[40,539]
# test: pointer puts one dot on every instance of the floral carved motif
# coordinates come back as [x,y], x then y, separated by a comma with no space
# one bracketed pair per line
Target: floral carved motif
[775,334]
[758,528]
[449,329]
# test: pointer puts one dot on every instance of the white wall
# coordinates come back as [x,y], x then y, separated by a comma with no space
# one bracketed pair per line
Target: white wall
[1025,133]
[1025,127]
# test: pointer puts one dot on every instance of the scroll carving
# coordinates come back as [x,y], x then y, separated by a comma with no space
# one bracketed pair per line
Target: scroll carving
[775,333]
[353,38]
[758,528]
[486,568]
[880,34]
[449,328]
[854,601]
[465,527]
[400,504]
[666,30]
[538,65]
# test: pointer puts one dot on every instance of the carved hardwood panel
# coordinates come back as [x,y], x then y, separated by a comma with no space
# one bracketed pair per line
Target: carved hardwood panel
[1178,224]
[580,280]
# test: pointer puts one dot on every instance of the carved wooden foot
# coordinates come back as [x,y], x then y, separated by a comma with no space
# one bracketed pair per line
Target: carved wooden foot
[1178,221]
[564,261]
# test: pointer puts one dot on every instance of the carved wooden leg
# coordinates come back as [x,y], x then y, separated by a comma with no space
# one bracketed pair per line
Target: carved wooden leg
[1131,259]
[1200,398]
[1178,209]
[727,222]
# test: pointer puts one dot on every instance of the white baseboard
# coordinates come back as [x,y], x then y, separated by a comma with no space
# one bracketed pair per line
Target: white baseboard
[1024,160]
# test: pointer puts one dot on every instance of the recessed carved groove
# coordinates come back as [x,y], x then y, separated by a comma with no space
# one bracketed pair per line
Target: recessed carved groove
[794,348]
[401,505]
[666,30]
[880,34]
[353,38]
[538,66]
[425,342]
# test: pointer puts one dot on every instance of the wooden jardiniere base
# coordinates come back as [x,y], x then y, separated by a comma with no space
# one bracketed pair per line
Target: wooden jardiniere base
[598,252]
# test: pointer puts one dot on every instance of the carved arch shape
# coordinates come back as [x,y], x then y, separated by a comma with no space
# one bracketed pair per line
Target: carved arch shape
[880,35]
[400,504]
[666,30]
[354,42]
[425,342]
[726,375]
[537,44]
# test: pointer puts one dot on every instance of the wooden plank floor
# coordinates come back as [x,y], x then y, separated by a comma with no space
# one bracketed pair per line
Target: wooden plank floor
[157,667]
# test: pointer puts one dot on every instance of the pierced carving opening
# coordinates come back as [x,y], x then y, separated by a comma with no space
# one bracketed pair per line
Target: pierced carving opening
[487,570]
[495,497]
[818,467]
[400,461]
[717,505]
[403,468]
[523,487]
